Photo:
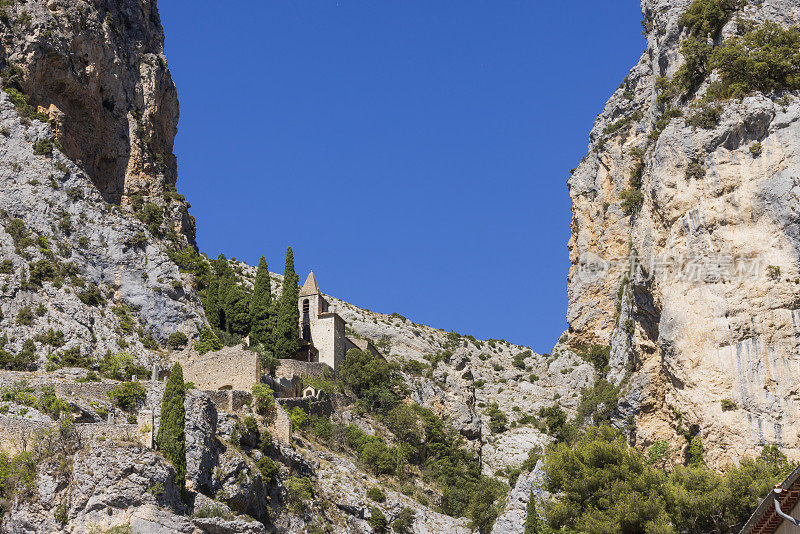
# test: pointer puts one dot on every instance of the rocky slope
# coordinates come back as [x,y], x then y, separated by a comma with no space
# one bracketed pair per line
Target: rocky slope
[696,290]
[460,377]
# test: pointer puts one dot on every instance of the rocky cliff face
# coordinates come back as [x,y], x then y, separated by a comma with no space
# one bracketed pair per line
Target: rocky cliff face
[696,289]
[80,272]
[97,70]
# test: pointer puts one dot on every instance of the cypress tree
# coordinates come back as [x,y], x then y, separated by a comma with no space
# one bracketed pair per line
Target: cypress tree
[225,282]
[532,523]
[211,302]
[260,306]
[171,437]
[286,330]
[237,311]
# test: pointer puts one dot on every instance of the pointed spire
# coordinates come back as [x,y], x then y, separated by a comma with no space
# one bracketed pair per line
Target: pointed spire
[310,287]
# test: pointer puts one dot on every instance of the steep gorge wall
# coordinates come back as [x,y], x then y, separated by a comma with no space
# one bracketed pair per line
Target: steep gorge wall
[88,210]
[697,290]
[98,69]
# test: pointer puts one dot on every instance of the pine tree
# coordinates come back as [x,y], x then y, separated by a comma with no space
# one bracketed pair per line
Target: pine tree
[286,330]
[171,437]
[260,306]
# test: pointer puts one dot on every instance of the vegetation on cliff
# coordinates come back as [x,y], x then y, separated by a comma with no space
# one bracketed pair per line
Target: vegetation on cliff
[423,444]
[604,485]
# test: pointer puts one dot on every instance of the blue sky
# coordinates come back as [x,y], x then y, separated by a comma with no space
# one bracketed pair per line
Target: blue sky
[413,153]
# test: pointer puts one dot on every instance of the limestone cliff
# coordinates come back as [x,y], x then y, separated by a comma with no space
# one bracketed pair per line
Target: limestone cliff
[97,70]
[694,284]
[88,114]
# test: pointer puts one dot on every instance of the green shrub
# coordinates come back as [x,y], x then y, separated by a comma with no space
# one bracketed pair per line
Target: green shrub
[404,521]
[519,359]
[212,511]
[696,53]
[379,457]
[299,418]
[707,117]
[603,485]
[126,323]
[763,59]
[92,296]
[71,357]
[269,363]
[300,492]
[728,404]
[498,420]
[632,200]
[598,402]
[263,400]
[50,404]
[207,342]
[268,469]
[554,419]
[415,367]
[19,233]
[41,271]
[372,379]
[663,121]
[152,216]
[122,366]
[43,147]
[322,427]
[695,170]
[755,149]
[705,18]
[75,193]
[54,338]
[376,494]
[137,240]
[485,505]
[377,520]
[598,356]
[23,361]
[25,316]
[127,395]
[623,123]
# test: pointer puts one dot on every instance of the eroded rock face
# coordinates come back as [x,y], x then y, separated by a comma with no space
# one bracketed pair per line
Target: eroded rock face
[102,66]
[697,291]
[62,240]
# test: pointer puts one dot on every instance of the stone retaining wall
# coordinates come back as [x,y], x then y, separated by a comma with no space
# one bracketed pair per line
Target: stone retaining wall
[288,369]
[19,434]
[228,368]
[311,405]
[232,401]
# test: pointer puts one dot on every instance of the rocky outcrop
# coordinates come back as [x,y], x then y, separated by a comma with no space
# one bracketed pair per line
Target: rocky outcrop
[696,291]
[71,255]
[201,441]
[99,71]
[512,520]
